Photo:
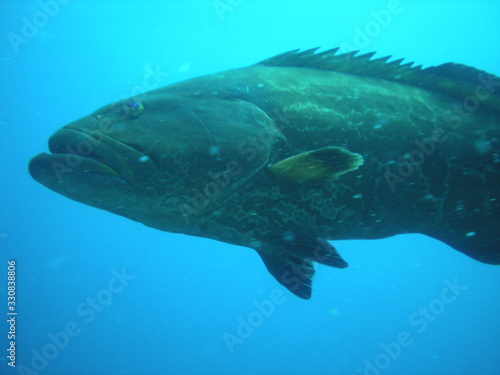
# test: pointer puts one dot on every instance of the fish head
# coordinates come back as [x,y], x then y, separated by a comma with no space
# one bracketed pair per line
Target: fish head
[158,157]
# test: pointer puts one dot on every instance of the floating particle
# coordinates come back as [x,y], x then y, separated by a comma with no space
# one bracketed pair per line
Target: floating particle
[185,67]
[213,150]
[334,311]
[256,244]
[289,236]
[482,146]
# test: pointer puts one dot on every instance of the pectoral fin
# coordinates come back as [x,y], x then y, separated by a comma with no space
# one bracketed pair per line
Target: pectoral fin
[319,165]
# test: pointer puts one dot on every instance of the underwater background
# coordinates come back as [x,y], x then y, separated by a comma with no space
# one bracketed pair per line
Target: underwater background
[99,294]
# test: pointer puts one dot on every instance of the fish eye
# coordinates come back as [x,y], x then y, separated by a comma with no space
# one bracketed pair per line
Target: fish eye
[133,104]
[133,108]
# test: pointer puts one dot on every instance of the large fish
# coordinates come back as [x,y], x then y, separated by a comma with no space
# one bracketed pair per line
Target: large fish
[296,150]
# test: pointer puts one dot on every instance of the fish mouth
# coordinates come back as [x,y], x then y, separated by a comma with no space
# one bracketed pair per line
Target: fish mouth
[88,155]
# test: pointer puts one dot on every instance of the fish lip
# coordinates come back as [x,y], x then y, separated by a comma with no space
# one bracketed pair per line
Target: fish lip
[109,155]
[91,182]
[51,169]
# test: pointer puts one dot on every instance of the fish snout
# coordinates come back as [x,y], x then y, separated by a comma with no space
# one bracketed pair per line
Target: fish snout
[95,152]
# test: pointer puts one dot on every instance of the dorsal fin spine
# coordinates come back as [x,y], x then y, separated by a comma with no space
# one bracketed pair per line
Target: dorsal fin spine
[455,80]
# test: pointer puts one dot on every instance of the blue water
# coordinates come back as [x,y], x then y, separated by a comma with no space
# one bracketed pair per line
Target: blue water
[182,305]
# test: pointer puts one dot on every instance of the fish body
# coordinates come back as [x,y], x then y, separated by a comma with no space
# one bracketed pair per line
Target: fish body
[294,151]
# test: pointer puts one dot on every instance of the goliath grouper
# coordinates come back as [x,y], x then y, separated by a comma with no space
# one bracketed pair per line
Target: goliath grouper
[296,150]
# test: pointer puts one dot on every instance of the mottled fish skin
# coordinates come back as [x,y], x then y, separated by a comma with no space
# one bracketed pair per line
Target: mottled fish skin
[201,157]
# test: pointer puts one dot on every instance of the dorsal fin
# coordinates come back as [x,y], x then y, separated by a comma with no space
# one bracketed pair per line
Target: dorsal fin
[457,80]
